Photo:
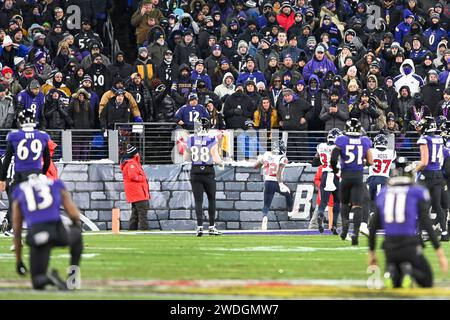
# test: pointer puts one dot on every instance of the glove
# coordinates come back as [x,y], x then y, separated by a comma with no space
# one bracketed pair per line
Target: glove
[21,269]
[238,111]
[284,188]
[105,133]
[137,119]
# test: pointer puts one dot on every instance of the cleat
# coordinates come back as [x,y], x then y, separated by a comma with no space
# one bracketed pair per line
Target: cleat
[9,233]
[445,237]
[320,221]
[264,224]
[354,240]
[334,231]
[57,281]
[363,229]
[199,231]
[407,281]
[344,233]
[4,226]
[388,282]
[213,231]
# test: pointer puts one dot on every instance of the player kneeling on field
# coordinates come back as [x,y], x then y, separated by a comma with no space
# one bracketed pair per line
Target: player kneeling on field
[399,207]
[274,163]
[37,200]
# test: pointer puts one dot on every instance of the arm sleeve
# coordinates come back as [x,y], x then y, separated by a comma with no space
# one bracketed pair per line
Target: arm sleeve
[6,162]
[316,161]
[47,158]
[334,158]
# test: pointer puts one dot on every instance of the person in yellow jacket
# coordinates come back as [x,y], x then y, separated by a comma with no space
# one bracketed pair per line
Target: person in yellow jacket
[108,95]
[265,117]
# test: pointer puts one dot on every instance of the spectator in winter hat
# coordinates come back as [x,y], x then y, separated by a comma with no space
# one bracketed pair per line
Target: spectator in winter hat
[319,65]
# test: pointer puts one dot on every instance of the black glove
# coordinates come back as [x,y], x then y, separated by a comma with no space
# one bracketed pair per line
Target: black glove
[335,170]
[21,269]
[238,111]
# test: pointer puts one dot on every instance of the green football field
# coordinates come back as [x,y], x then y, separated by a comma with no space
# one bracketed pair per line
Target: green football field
[174,266]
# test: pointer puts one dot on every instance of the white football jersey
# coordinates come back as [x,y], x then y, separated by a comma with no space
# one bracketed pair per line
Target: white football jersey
[271,164]
[324,150]
[382,162]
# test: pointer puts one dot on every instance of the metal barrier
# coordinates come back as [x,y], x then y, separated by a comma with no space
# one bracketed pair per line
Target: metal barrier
[108,31]
[162,143]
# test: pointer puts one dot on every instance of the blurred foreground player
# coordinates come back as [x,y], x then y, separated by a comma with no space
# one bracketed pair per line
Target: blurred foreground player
[402,210]
[37,201]
[274,163]
[202,151]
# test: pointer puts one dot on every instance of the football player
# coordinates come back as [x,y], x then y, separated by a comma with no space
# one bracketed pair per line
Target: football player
[445,201]
[352,148]
[401,209]
[329,182]
[382,163]
[432,157]
[30,150]
[202,151]
[37,200]
[273,163]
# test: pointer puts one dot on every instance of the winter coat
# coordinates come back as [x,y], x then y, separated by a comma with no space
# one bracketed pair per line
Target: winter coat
[140,22]
[164,106]
[432,95]
[114,113]
[237,109]
[134,180]
[132,102]
[156,52]
[183,50]
[266,120]
[146,69]
[123,69]
[167,72]
[290,114]
[222,90]
[412,80]
[320,68]
[55,115]
[7,112]
[334,120]
[101,78]
[81,114]
[366,116]
[52,172]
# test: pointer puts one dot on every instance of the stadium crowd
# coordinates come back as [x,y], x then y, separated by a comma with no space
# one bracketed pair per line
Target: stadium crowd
[295,65]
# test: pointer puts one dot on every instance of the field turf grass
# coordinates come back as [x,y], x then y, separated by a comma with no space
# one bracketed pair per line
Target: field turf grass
[156,266]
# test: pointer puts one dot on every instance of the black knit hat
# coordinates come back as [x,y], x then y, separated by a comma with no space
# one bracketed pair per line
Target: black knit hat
[131,150]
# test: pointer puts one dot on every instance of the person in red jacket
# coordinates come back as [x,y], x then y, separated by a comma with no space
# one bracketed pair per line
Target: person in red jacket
[136,188]
[286,17]
[52,171]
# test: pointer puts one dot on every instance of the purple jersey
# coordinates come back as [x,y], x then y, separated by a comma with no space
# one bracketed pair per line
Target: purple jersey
[399,208]
[39,199]
[353,151]
[28,146]
[436,151]
[200,148]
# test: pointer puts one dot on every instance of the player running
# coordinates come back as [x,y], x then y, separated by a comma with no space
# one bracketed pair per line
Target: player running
[30,150]
[445,133]
[273,163]
[352,148]
[432,157]
[202,151]
[37,201]
[329,182]
[401,209]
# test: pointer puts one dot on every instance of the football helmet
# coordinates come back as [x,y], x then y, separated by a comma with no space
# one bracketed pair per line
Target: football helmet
[332,135]
[380,141]
[201,126]
[278,147]
[353,127]
[27,118]
[403,169]
[428,125]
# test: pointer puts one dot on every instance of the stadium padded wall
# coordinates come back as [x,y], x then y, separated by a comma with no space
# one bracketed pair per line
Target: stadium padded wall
[97,188]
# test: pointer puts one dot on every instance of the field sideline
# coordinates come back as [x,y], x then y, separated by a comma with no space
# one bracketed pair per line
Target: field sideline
[249,266]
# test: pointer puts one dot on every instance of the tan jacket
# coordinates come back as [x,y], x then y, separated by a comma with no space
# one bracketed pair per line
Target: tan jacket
[140,22]
[108,95]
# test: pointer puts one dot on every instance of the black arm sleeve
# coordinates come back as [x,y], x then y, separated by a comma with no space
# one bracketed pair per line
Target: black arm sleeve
[6,161]
[375,224]
[47,159]
[426,224]
[334,158]
[316,161]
